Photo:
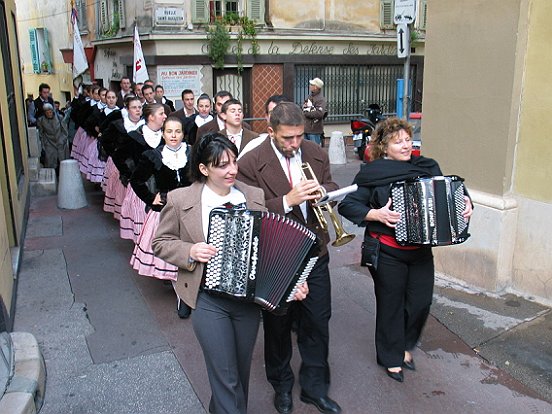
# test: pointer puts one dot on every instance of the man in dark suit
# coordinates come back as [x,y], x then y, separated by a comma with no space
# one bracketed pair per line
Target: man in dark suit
[232,114]
[275,167]
[161,98]
[43,98]
[217,124]
[126,88]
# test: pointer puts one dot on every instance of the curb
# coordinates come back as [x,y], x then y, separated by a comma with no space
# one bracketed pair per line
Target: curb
[25,390]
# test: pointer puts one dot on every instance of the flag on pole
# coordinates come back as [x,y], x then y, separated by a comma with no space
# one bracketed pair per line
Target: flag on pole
[80,64]
[140,72]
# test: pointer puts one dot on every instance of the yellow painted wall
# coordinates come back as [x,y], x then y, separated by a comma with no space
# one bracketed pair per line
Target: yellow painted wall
[11,232]
[356,15]
[533,172]
[471,91]
[54,16]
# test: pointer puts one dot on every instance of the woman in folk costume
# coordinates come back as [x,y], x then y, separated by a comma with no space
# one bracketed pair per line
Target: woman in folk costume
[79,112]
[108,116]
[148,136]
[88,123]
[114,133]
[159,171]
[94,170]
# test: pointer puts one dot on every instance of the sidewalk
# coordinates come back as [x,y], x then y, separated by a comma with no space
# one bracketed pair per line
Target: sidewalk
[113,344]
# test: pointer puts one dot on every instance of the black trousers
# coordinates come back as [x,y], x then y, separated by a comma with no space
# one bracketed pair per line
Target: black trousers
[226,330]
[403,285]
[312,316]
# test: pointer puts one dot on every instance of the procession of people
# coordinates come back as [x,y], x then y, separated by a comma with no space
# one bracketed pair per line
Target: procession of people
[163,171]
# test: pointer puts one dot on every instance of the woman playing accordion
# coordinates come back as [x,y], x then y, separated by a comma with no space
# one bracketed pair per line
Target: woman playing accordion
[225,328]
[403,275]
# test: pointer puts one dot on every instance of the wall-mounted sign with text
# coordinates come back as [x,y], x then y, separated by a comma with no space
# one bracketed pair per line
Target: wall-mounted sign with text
[177,78]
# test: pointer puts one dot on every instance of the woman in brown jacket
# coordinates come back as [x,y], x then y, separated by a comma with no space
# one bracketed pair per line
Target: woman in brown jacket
[225,328]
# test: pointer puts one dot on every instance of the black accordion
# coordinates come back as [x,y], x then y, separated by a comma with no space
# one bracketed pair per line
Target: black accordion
[262,257]
[431,211]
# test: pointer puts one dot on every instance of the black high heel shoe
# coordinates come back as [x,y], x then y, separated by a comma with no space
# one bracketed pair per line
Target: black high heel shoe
[183,310]
[409,365]
[397,376]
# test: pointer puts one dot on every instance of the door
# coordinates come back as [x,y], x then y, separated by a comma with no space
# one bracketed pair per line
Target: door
[239,85]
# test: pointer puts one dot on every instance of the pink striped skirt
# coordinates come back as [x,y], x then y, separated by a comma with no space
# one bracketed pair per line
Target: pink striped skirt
[77,142]
[143,260]
[133,215]
[96,167]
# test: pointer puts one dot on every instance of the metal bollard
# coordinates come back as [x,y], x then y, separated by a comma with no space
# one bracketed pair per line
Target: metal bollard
[70,190]
[336,151]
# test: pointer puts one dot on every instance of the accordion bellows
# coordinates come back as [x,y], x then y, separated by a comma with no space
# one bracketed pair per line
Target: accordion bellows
[262,257]
[431,211]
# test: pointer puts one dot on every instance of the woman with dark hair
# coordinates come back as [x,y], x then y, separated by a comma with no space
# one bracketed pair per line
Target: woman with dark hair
[114,132]
[148,136]
[403,275]
[159,171]
[225,328]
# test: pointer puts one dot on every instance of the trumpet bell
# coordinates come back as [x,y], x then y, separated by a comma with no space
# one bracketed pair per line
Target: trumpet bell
[343,239]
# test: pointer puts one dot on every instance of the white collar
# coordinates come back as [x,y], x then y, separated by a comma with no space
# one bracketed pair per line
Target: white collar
[129,125]
[153,138]
[175,159]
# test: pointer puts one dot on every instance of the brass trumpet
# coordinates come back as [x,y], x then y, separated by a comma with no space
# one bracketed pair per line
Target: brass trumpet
[341,236]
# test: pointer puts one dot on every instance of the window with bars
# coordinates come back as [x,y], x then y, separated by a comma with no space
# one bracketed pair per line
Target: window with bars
[349,89]
[208,11]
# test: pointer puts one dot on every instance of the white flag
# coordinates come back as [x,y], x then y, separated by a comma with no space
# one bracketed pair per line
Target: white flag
[80,64]
[140,72]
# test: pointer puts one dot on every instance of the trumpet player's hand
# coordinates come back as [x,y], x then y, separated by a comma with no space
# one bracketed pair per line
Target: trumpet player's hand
[387,216]
[303,191]
[202,252]
[302,292]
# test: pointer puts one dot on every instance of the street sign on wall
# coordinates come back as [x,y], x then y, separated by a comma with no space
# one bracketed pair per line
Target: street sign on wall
[405,11]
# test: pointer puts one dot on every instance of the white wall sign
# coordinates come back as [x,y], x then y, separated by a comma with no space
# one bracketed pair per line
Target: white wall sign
[169,16]
[405,11]
[177,78]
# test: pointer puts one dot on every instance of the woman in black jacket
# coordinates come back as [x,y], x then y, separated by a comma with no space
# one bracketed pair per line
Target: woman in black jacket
[159,171]
[403,275]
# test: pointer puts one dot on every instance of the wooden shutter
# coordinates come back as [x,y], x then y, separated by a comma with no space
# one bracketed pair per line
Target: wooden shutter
[422,15]
[80,5]
[200,11]
[104,22]
[122,16]
[387,11]
[255,10]
[34,50]
[45,51]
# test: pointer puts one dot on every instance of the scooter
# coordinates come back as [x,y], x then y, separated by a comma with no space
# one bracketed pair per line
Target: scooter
[362,128]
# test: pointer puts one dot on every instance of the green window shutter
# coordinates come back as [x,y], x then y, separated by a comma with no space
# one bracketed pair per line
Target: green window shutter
[422,15]
[103,24]
[122,16]
[34,50]
[200,11]
[255,10]
[46,51]
[387,11]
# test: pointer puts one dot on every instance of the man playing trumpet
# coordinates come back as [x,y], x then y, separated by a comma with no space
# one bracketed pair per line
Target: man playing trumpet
[275,167]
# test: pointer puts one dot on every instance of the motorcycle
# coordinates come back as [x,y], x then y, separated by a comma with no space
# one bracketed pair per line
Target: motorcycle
[362,128]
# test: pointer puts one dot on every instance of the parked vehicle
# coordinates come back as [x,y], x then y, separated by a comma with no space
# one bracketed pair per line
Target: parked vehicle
[362,128]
